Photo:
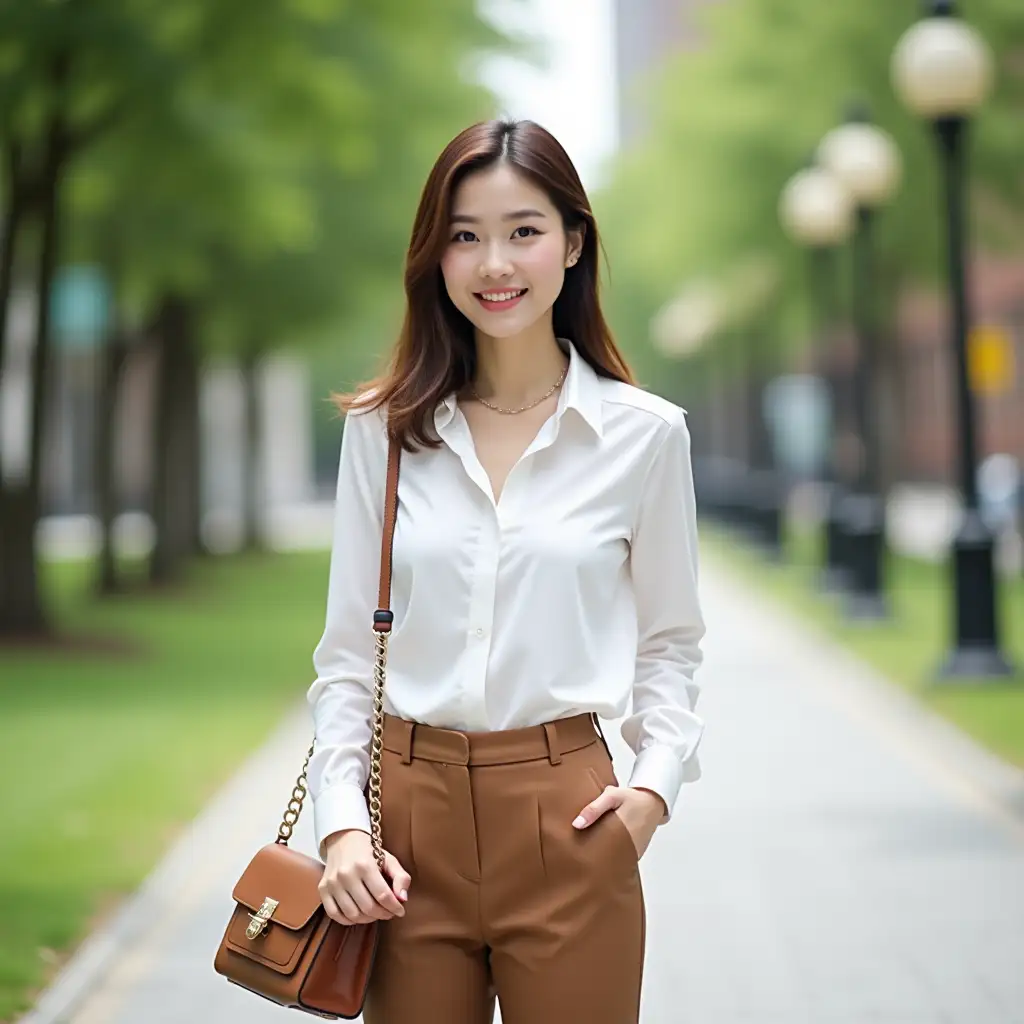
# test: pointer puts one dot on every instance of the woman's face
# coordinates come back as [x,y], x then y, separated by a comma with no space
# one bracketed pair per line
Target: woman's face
[507,254]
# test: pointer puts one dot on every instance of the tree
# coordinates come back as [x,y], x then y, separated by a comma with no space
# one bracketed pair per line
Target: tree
[65,66]
[264,228]
[199,172]
[733,121]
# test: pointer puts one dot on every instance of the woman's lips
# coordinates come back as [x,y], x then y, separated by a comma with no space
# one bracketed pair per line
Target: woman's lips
[497,307]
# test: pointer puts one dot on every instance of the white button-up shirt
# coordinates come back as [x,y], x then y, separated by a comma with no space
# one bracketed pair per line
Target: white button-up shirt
[575,592]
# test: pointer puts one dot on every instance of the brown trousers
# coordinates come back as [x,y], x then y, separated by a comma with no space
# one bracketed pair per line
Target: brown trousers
[507,897]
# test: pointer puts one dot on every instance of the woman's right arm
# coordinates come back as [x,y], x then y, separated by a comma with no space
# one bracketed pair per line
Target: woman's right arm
[352,888]
[341,697]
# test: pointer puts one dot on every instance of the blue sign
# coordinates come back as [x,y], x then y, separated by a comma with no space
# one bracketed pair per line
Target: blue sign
[79,306]
[798,409]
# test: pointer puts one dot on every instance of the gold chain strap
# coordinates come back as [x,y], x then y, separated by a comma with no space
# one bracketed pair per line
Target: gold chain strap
[294,808]
[380,663]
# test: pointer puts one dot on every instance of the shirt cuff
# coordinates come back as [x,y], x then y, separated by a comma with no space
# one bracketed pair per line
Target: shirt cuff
[659,769]
[339,807]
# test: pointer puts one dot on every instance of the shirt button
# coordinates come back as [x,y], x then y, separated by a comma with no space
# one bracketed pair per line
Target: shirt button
[480,631]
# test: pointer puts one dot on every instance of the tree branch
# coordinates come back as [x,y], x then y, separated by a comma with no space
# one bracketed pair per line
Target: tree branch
[85,135]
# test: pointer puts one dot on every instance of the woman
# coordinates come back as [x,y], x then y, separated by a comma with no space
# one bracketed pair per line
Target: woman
[545,572]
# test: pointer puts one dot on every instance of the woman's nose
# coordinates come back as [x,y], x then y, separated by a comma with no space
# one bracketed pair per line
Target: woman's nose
[495,262]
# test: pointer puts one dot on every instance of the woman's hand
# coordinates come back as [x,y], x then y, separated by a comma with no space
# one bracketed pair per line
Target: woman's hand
[352,889]
[640,810]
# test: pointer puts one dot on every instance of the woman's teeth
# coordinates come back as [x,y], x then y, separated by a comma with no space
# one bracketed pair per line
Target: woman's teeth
[501,296]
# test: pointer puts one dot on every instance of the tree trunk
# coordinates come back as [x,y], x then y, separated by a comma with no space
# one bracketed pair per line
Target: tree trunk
[252,538]
[193,444]
[14,211]
[174,467]
[23,612]
[115,357]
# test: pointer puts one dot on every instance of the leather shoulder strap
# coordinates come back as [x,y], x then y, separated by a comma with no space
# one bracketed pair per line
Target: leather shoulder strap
[383,617]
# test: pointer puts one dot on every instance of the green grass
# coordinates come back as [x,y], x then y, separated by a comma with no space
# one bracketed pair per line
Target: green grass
[911,645]
[108,750]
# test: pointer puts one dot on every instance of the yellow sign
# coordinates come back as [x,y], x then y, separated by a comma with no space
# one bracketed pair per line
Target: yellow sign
[990,359]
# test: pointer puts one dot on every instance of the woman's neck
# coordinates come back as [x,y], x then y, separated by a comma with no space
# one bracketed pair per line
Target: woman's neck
[518,370]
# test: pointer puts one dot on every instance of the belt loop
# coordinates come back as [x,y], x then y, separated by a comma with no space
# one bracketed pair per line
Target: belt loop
[600,732]
[554,754]
[407,730]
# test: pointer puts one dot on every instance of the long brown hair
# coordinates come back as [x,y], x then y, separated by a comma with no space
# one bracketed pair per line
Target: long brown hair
[435,353]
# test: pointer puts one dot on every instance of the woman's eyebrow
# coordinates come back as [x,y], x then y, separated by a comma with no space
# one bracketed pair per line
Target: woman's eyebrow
[465,218]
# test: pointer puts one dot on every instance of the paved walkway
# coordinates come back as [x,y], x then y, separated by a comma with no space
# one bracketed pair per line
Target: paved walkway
[845,859]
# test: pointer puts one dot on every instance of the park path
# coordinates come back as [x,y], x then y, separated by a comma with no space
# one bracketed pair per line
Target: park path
[847,858]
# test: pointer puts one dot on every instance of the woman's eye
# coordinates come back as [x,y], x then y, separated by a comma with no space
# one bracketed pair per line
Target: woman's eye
[457,237]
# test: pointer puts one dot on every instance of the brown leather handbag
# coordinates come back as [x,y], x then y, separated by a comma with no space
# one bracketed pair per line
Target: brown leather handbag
[279,942]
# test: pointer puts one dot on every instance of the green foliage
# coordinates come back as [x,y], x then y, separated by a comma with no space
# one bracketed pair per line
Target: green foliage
[732,122]
[263,160]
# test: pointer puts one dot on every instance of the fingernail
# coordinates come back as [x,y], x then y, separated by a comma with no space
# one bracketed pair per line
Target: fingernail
[579,822]
[404,894]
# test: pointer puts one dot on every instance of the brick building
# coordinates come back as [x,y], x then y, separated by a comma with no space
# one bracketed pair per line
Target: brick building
[926,382]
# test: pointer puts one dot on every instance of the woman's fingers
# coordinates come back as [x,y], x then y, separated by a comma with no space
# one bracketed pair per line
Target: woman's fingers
[332,909]
[351,902]
[363,892]
[354,891]
[608,800]
[381,892]
[400,878]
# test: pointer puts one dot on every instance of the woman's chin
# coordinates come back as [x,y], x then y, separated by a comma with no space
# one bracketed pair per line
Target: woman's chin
[502,327]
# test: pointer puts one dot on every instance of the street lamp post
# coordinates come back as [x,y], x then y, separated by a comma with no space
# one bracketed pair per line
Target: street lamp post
[817,212]
[751,284]
[766,487]
[866,161]
[941,70]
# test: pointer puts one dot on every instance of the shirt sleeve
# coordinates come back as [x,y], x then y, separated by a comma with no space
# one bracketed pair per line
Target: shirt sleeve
[341,697]
[663,729]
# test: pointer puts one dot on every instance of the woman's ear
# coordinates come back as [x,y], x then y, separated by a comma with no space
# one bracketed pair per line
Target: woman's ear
[574,246]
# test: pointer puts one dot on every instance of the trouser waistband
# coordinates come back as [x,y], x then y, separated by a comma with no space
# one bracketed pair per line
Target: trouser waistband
[506,746]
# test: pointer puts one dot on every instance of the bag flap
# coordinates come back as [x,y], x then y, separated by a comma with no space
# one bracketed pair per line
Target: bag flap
[284,875]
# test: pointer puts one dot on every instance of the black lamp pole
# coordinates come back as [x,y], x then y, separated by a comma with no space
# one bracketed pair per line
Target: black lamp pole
[976,653]
[863,509]
[834,570]
[764,481]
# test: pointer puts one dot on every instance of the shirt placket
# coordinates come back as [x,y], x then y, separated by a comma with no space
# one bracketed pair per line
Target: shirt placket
[481,623]
[484,578]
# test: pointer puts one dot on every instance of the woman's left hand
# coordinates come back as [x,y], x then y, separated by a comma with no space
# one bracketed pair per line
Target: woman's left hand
[640,810]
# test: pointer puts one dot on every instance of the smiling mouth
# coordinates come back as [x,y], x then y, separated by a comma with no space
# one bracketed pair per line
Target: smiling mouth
[502,299]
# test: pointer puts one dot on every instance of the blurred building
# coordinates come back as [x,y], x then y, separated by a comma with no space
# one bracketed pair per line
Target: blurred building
[285,459]
[928,433]
[646,32]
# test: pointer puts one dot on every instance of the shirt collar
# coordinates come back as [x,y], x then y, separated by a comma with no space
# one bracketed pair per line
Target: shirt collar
[581,391]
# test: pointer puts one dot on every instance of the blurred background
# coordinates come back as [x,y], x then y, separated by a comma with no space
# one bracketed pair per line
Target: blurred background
[814,220]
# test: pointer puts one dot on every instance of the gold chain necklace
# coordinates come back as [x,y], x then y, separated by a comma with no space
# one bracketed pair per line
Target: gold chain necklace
[512,412]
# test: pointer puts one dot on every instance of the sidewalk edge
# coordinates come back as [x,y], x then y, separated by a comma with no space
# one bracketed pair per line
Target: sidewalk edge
[999,781]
